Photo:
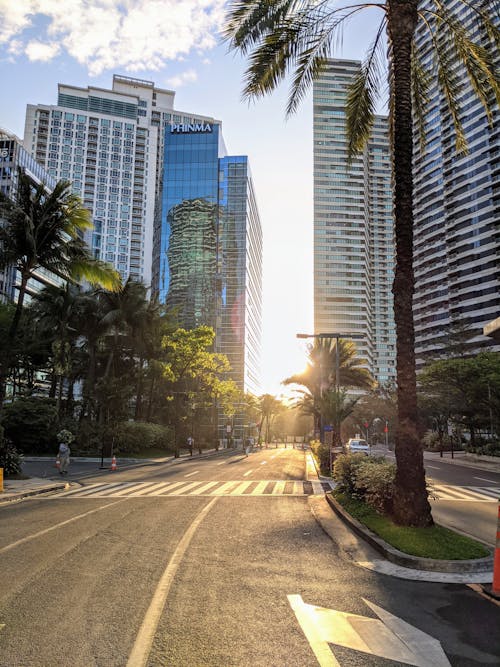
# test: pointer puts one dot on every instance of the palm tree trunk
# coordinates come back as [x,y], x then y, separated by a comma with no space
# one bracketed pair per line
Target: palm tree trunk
[411,506]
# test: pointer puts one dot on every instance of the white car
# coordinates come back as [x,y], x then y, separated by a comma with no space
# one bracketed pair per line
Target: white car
[357,446]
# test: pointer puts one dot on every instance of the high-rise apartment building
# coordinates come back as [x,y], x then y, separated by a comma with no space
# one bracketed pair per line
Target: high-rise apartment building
[457,212]
[14,157]
[353,227]
[207,259]
[109,144]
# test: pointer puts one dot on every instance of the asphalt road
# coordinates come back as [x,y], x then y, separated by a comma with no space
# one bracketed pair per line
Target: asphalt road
[239,575]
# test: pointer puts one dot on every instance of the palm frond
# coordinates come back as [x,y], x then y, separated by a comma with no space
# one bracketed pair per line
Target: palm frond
[448,77]
[362,97]
[420,96]
[318,36]
[248,21]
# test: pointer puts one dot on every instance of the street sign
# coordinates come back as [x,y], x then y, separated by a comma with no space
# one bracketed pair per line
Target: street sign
[328,427]
[386,637]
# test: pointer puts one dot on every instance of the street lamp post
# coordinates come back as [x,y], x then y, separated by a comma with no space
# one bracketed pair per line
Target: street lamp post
[337,336]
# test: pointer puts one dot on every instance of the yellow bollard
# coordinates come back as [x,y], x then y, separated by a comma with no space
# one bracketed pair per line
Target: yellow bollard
[1,480]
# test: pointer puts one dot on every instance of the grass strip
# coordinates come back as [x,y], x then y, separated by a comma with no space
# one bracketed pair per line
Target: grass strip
[435,542]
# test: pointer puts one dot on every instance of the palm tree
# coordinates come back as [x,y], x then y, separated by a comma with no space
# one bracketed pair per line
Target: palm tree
[270,406]
[320,373]
[56,309]
[336,406]
[42,229]
[299,35]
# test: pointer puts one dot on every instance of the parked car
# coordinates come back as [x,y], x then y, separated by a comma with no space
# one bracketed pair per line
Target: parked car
[357,446]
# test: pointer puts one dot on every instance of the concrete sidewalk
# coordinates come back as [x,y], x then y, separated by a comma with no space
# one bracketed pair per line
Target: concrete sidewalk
[17,489]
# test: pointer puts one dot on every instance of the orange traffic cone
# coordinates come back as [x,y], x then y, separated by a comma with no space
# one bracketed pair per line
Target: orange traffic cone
[113,463]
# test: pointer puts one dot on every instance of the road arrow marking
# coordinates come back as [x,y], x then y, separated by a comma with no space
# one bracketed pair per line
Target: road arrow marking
[386,637]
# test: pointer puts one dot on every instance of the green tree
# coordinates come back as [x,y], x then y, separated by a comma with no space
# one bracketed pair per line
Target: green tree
[195,376]
[270,407]
[282,36]
[466,388]
[42,229]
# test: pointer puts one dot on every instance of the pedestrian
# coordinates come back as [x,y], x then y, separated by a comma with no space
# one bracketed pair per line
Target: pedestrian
[190,443]
[64,437]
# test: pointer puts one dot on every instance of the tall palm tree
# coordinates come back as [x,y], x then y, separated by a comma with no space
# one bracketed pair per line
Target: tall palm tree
[56,309]
[42,229]
[320,373]
[281,36]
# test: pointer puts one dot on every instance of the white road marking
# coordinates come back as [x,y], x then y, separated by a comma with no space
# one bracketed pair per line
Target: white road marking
[465,493]
[386,637]
[57,525]
[432,467]
[221,463]
[190,474]
[263,463]
[202,489]
[317,488]
[180,491]
[273,488]
[483,479]
[319,647]
[222,489]
[248,472]
[259,488]
[144,640]
[239,490]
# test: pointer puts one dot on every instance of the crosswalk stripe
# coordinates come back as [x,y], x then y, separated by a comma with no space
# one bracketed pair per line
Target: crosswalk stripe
[181,490]
[241,488]
[214,488]
[492,491]
[466,493]
[222,489]
[317,488]
[259,489]
[203,488]
[151,489]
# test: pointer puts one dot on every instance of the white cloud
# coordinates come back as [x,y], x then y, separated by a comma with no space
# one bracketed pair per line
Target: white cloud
[189,76]
[42,52]
[104,34]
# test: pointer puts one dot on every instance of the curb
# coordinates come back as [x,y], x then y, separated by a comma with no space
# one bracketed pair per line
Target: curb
[397,557]
[34,492]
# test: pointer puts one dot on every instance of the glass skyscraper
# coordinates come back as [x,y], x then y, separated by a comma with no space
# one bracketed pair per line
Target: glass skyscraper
[353,227]
[457,209]
[207,257]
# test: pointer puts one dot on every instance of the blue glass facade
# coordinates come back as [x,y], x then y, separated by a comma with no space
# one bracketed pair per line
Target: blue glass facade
[207,259]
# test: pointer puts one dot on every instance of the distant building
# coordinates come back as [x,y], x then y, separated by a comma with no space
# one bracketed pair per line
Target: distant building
[457,211]
[207,259]
[109,144]
[353,227]
[12,158]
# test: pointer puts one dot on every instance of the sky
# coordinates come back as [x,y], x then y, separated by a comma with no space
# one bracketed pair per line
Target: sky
[177,45]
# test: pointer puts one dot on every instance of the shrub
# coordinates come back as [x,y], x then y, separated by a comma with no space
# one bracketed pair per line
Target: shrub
[10,459]
[322,455]
[374,483]
[345,471]
[134,437]
[31,425]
